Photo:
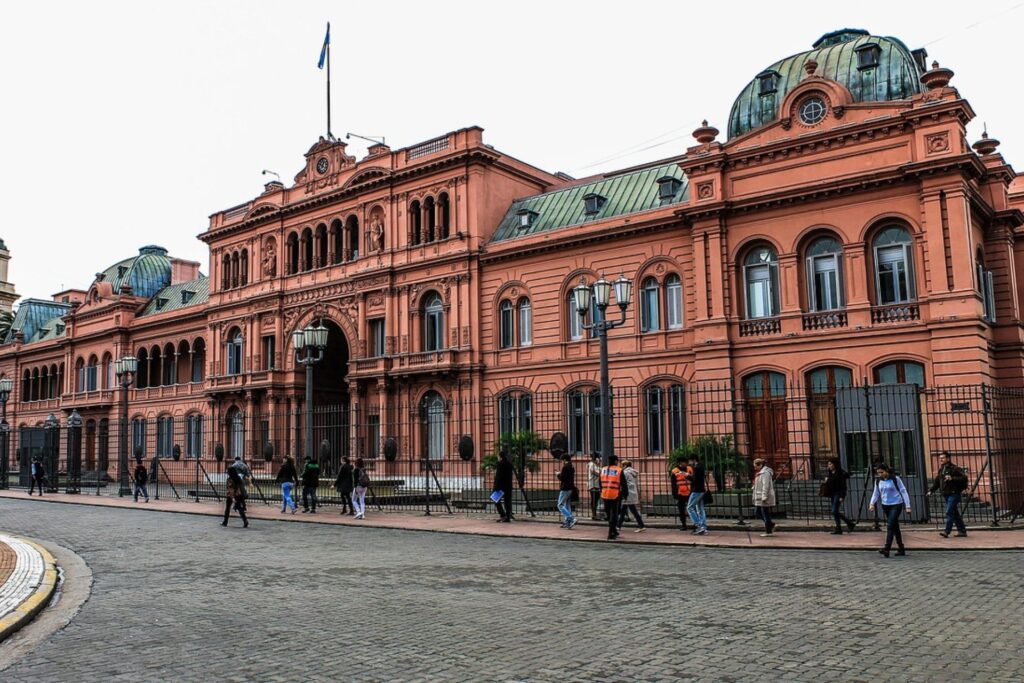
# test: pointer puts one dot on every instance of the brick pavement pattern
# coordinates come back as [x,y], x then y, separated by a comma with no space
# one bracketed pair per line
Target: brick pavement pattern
[178,597]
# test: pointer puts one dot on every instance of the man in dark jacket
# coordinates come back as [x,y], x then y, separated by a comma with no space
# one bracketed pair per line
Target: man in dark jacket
[503,477]
[951,482]
[695,505]
[141,477]
[310,482]
[38,476]
[343,485]
[834,488]
[566,486]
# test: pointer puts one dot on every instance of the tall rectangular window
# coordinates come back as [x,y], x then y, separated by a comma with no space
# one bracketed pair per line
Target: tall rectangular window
[674,301]
[376,332]
[575,320]
[893,284]
[164,436]
[525,322]
[576,423]
[194,436]
[677,416]
[269,352]
[138,436]
[505,322]
[649,309]
[655,438]
[373,436]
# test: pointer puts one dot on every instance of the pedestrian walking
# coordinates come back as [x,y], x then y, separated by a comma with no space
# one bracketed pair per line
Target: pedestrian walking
[613,490]
[287,478]
[680,487]
[141,477]
[243,470]
[834,488]
[764,495]
[362,482]
[344,484]
[631,501]
[594,483]
[503,474]
[38,474]
[951,482]
[234,496]
[310,482]
[889,489]
[567,491]
[695,503]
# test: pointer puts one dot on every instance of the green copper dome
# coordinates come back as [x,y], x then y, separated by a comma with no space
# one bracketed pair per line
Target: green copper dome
[873,68]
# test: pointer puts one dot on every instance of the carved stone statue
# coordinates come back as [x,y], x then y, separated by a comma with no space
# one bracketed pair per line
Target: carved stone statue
[377,234]
[270,260]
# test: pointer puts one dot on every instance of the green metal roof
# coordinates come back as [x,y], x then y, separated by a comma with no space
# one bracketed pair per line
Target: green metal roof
[34,314]
[51,329]
[626,193]
[896,77]
[146,274]
[181,295]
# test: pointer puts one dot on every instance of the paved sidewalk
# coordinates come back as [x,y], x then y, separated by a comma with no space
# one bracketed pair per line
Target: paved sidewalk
[28,578]
[797,537]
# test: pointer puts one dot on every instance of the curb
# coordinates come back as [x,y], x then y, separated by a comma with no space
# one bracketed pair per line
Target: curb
[736,544]
[33,604]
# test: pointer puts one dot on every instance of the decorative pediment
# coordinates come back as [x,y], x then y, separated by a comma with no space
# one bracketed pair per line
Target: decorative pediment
[261,210]
[367,175]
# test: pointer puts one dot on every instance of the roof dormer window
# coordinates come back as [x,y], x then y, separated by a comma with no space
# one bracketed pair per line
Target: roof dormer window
[160,303]
[60,328]
[525,218]
[668,186]
[767,82]
[121,270]
[187,296]
[592,203]
[867,56]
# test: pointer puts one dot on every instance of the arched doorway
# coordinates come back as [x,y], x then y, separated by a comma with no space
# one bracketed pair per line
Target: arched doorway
[331,405]
[765,394]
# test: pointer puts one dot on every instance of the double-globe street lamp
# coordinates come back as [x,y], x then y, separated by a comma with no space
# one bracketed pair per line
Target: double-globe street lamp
[6,387]
[599,295]
[309,346]
[125,369]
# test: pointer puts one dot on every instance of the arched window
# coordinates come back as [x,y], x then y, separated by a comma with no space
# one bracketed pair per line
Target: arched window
[525,322]
[674,301]
[194,436]
[584,421]
[156,361]
[293,253]
[233,352]
[515,413]
[34,393]
[234,269]
[108,371]
[142,376]
[164,435]
[169,369]
[352,231]
[337,242]
[182,363]
[433,322]
[767,426]
[506,317]
[138,437]
[307,249]
[415,223]
[433,409]
[900,372]
[55,380]
[26,385]
[235,427]
[665,418]
[321,245]
[894,266]
[574,319]
[430,213]
[198,360]
[824,266]
[243,268]
[650,319]
[79,378]
[225,274]
[445,210]
[761,283]
[92,374]
[826,379]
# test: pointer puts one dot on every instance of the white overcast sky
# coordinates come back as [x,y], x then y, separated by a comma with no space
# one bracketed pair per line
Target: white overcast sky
[129,123]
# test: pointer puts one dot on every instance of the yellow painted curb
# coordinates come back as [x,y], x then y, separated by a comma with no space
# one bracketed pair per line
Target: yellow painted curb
[30,606]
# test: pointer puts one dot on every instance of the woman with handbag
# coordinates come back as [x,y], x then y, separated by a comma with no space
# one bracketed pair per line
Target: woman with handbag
[234,497]
[566,490]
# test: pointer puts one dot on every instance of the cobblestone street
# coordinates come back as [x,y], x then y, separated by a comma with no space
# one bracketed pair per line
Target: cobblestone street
[177,597]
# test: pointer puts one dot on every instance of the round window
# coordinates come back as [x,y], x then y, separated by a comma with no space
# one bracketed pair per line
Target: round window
[812,110]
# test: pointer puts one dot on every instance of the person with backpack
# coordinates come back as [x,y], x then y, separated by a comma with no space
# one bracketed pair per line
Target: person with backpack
[834,488]
[566,491]
[594,483]
[951,481]
[38,476]
[631,501]
[764,495]
[362,482]
[141,478]
[310,482]
[503,476]
[286,477]
[343,484]
[695,503]
[234,497]
[680,487]
[890,491]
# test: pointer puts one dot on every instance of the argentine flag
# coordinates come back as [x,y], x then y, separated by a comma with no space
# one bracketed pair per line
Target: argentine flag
[323,50]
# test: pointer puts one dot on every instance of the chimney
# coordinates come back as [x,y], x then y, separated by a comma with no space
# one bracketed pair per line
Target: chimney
[183,271]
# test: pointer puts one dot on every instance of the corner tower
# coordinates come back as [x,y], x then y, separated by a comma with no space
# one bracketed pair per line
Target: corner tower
[7,294]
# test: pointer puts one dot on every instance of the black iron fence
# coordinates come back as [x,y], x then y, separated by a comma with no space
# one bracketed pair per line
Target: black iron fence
[438,454]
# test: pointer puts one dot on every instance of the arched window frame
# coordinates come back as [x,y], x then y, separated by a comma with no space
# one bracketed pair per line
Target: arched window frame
[525,321]
[164,435]
[306,263]
[761,282]
[583,417]
[515,412]
[433,322]
[900,371]
[194,435]
[445,211]
[233,358]
[415,222]
[293,253]
[434,413]
[506,325]
[664,417]
[674,301]
[893,251]
[823,264]
[650,305]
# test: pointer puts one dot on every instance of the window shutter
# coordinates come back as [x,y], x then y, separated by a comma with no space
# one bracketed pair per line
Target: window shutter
[990,297]
[908,249]
[840,280]
[812,300]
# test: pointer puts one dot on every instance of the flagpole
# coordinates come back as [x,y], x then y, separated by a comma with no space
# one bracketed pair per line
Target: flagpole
[329,135]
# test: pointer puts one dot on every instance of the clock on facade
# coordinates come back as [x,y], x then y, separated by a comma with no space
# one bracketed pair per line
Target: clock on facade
[321,165]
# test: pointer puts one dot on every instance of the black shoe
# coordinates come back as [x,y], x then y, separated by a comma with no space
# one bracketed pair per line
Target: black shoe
[944,534]
[836,532]
[507,520]
[901,553]
[245,524]
[851,525]
[961,534]
[884,552]
[223,523]
[500,519]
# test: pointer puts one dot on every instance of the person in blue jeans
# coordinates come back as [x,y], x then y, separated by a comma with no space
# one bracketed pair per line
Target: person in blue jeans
[286,477]
[951,481]
[141,477]
[695,505]
[890,491]
[566,486]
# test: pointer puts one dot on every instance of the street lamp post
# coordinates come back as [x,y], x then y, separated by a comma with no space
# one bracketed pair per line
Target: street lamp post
[309,350]
[6,387]
[125,369]
[599,295]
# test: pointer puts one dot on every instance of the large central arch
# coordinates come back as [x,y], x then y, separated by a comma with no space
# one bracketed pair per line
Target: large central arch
[332,417]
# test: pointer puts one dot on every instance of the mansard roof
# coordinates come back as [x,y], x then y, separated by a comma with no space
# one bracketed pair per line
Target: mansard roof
[33,315]
[179,296]
[622,193]
[146,274]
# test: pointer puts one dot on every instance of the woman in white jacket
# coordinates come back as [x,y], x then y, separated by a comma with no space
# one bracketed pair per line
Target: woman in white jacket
[764,495]
[890,491]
